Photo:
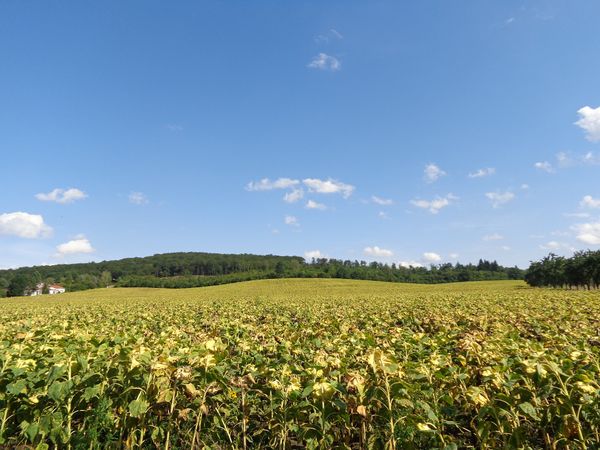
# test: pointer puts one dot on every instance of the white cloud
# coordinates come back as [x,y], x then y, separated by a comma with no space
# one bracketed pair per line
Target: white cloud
[434,206]
[409,264]
[79,245]
[500,198]
[555,245]
[383,215]
[590,202]
[311,204]
[326,37]
[324,61]
[328,186]
[590,122]
[482,173]
[61,195]
[578,215]
[431,257]
[590,158]
[544,166]
[493,237]
[382,201]
[564,160]
[291,220]
[316,254]
[293,196]
[138,198]
[453,255]
[378,252]
[506,248]
[267,185]
[432,173]
[24,225]
[524,186]
[588,233]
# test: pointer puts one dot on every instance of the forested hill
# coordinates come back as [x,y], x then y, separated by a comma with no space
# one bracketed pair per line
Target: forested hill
[178,270]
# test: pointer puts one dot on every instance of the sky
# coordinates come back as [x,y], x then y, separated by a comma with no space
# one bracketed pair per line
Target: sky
[404,132]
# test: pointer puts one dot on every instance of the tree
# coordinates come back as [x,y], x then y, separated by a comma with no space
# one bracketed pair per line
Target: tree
[19,285]
[105,278]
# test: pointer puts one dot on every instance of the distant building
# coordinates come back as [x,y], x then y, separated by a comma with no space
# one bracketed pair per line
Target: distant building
[56,289]
[52,289]
[39,290]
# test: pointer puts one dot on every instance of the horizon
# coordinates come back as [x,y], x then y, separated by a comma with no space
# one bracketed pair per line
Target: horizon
[397,133]
[306,260]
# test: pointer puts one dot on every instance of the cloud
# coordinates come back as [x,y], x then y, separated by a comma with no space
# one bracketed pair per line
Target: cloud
[453,255]
[493,237]
[324,61]
[79,245]
[326,37]
[316,254]
[590,158]
[432,173]
[590,122]
[434,206]
[590,202]
[544,166]
[328,186]
[378,252]
[174,127]
[311,204]
[578,215]
[555,245]
[431,257]
[24,225]
[383,215]
[293,196]
[524,186]
[500,198]
[409,264]
[381,201]
[506,248]
[61,195]
[588,233]
[267,185]
[291,221]
[482,173]
[138,198]
[564,160]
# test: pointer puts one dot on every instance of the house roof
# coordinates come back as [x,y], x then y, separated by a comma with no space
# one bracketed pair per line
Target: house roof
[56,286]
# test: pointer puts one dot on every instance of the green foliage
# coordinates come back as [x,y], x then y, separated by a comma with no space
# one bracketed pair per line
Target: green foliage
[19,285]
[582,270]
[184,270]
[302,364]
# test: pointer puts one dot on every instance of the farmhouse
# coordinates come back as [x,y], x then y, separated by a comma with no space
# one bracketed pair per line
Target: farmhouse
[52,289]
[39,290]
[56,289]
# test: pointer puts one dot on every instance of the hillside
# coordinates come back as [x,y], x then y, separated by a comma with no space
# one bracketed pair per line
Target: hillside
[183,270]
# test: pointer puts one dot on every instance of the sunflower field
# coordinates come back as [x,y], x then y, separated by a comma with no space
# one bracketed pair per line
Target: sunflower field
[302,364]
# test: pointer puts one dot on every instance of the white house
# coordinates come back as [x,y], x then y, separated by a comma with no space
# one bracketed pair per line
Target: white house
[56,289]
[52,289]
[39,288]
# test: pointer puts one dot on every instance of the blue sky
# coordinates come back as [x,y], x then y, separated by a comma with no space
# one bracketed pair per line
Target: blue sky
[141,127]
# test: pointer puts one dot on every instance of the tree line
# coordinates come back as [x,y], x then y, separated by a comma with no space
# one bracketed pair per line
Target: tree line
[181,270]
[581,271]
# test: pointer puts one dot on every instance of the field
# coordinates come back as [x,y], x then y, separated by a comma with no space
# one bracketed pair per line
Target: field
[302,363]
